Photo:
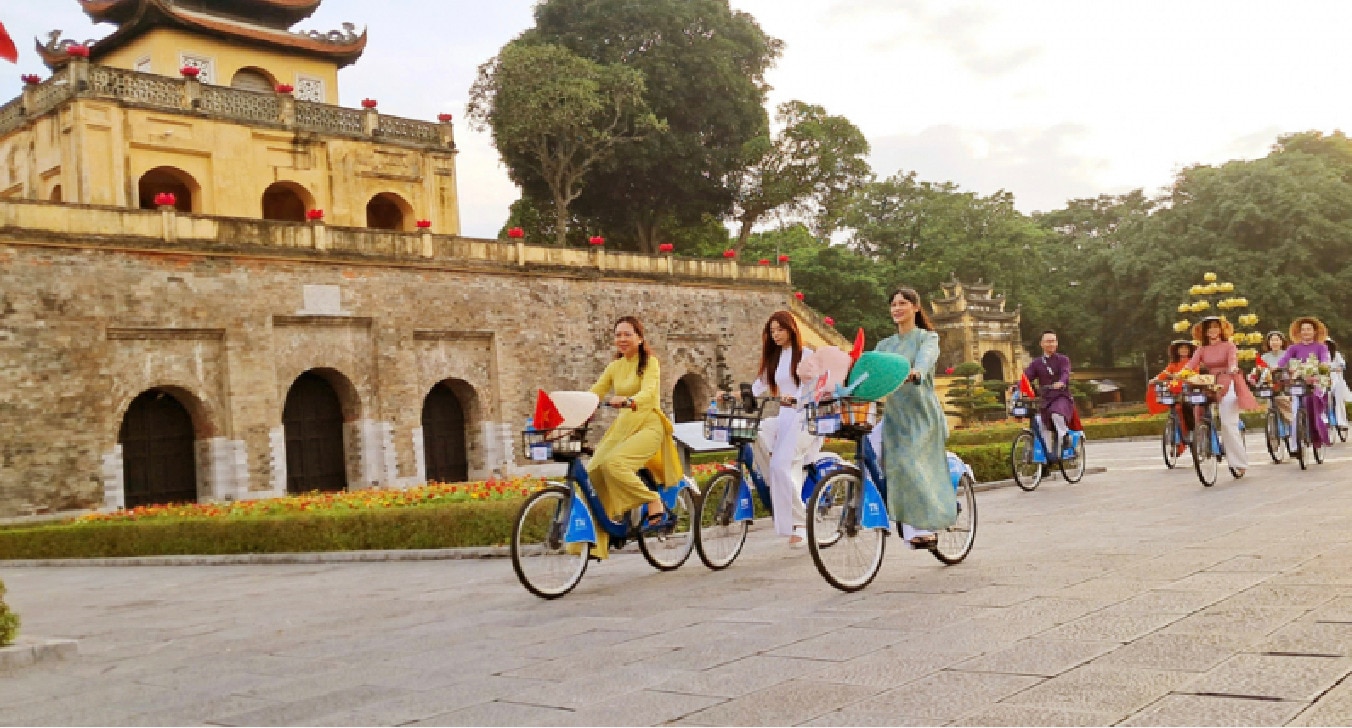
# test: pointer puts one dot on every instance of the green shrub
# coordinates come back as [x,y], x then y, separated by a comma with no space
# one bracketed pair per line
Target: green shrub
[9,621]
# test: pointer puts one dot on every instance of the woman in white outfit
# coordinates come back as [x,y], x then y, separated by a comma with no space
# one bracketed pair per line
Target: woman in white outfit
[784,443]
[1338,391]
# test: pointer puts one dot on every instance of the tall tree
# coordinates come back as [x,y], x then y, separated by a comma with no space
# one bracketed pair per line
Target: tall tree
[558,116]
[704,64]
[810,169]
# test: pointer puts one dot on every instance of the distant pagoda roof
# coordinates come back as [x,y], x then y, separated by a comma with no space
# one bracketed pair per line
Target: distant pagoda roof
[260,23]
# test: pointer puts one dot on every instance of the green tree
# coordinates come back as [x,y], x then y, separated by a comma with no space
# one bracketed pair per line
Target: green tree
[559,115]
[9,621]
[538,221]
[704,65]
[967,398]
[809,170]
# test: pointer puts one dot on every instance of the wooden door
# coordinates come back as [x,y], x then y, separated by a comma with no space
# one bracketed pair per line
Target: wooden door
[313,419]
[443,423]
[158,462]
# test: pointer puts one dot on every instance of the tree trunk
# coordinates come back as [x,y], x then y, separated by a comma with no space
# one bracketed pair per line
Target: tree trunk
[743,234]
[647,237]
[560,221]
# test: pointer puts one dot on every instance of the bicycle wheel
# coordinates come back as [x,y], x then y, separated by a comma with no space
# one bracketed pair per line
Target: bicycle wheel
[1027,474]
[670,548]
[955,542]
[856,553]
[1316,450]
[1169,442]
[718,538]
[1272,432]
[546,566]
[1203,459]
[1303,441]
[1073,469]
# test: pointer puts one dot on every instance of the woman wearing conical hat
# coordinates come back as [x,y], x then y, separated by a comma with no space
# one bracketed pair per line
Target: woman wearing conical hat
[1180,351]
[1309,333]
[1221,358]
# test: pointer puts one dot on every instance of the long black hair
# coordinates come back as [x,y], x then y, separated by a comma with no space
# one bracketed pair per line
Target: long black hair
[909,294]
[643,351]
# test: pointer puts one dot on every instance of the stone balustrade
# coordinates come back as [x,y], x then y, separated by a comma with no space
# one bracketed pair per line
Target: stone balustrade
[95,226]
[80,78]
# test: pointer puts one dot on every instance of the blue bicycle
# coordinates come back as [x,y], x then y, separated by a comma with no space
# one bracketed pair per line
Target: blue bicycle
[1172,441]
[1028,454]
[1208,450]
[848,536]
[726,505]
[1275,430]
[556,527]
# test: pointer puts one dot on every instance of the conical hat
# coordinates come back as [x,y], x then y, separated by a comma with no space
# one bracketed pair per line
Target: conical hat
[576,407]
[826,359]
[878,374]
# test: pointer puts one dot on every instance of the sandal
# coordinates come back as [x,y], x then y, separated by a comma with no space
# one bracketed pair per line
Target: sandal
[925,542]
[658,522]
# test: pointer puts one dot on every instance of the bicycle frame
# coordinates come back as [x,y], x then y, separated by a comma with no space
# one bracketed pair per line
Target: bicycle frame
[752,480]
[1035,427]
[585,511]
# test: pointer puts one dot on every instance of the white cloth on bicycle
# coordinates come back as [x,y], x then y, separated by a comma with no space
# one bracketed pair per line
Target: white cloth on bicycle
[782,446]
[1062,429]
[1236,456]
[1339,393]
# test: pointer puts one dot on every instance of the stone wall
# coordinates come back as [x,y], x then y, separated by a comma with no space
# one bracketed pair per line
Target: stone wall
[89,322]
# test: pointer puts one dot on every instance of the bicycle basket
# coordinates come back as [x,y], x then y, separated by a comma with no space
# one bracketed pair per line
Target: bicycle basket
[1297,387]
[1196,394]
[1164,395]
[845,417]
[559,444]
[733,424]
[1264,390]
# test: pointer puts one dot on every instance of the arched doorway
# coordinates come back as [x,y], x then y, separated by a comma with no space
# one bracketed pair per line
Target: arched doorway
[993,366]
[388,211]
[158,460]
[56,194]
[253,79]
[445,444]
[313,421]
[286,201]
[167,179]
[685,398]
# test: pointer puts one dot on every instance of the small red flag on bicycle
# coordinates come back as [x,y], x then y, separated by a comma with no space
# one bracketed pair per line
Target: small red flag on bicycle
[858,349]
[1026,387]
[7,49]
[547,415]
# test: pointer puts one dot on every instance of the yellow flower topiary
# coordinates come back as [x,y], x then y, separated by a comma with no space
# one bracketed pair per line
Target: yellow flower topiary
[1181,326]
[1209,277]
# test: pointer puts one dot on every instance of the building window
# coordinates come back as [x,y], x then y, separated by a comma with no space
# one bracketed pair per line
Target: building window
[142,65]
[205,66]
[309,88]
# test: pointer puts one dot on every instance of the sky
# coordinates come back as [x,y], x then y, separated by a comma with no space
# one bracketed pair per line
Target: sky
[1048,99]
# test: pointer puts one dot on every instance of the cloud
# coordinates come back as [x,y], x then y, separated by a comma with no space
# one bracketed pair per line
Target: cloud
[1037,164]
[961,29]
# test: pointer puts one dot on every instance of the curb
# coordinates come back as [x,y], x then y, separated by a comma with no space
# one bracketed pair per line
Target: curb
[25,653]
[1054,475]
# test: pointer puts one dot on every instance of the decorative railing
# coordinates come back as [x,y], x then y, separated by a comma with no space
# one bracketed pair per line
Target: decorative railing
[90,225]
[80,78]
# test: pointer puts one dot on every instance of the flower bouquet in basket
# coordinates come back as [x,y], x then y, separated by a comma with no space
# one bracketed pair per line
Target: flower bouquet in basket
[1312,371]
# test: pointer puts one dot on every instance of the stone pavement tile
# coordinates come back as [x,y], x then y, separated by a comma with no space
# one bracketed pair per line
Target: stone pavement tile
[1180,652]
[1218,581]
[287,713]
[1220,619]
[1171,602]
[640,708]
[1105,591]
[1332,708]
[999,595]
[1272,676]
[1105,626]
[864,717]
[1002,714]
[969,638]
[603,658]
[585,688]
[194,709]
[922,619]
[101,705]
[1282,595]
[887,668]
[1038,656]
[1260,563]
[496,713]
[1338,609]
[1093,688]
[1035,615]
[948,694]
[842,644]
[1309,638]
[573,644]
[422,704]
[743,676]
[787,703]
[1212,710]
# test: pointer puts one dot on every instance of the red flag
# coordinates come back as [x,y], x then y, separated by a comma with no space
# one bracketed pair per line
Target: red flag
[858,349]
[547,415]
[1074,423]
[7,49]
[1026,387]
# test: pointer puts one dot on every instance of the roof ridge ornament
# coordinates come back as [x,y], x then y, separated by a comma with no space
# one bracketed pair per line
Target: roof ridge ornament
[347,36]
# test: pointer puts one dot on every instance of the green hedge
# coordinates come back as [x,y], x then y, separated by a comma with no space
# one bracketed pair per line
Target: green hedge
[9,621]
[450,525]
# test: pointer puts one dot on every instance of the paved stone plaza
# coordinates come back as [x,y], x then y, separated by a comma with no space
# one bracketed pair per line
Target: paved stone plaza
[1136,597]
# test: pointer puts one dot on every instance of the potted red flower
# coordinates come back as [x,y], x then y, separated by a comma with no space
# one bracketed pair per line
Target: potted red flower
[666,248]
[423,224]
[165,199]
[516,233]
[829,321]
[783,259]
[369,103]
[729,254]
[445,118]
[798,295]
[285,88]
[314,215]
[32,79]
[77,51]
[597,240]
[763,261]
[190,71]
